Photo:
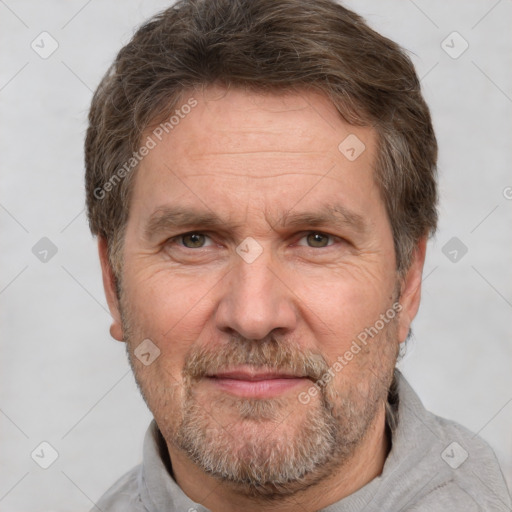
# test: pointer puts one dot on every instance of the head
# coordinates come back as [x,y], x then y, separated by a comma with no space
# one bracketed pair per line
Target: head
[261,179]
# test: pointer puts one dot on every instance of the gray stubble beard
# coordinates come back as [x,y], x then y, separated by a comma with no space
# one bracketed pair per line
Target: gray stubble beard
[278,464]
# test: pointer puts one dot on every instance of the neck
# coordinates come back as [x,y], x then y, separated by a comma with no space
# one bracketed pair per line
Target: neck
[365,464]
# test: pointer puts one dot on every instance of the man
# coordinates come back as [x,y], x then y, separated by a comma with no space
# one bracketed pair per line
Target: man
[261,178]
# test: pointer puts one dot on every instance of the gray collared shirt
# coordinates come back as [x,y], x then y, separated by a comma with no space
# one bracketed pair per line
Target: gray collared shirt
[434,465]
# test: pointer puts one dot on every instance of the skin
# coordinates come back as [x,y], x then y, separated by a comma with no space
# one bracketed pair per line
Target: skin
[252,158]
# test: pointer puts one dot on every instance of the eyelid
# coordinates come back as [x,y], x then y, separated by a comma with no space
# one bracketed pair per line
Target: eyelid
[177,238]
[334,238]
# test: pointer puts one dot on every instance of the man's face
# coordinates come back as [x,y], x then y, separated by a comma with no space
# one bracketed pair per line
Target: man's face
[256,252]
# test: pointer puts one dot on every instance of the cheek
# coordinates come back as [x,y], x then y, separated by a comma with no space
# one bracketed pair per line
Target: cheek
[342,307]
[169,309]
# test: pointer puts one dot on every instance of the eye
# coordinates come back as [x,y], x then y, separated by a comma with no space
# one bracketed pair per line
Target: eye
[193,240]
[318,240]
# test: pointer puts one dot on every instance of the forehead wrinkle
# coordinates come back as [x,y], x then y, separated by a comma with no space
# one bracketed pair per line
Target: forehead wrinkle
[226,173]
[261,151]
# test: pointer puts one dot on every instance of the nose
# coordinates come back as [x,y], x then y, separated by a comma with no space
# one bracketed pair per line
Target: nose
[256,300]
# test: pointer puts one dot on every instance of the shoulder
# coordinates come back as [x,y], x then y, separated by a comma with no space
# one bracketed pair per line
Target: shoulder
[448,466]
[471,465]
[124,495]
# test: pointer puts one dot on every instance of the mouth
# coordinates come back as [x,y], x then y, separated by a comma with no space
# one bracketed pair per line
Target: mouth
[252,383]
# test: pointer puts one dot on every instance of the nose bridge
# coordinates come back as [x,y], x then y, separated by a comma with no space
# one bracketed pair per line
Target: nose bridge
[255,302]
[256,279]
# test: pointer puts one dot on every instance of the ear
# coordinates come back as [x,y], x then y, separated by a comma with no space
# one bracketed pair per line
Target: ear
[411,290]
[109,284]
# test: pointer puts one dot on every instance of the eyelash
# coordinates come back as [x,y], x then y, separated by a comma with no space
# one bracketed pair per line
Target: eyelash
[176,239]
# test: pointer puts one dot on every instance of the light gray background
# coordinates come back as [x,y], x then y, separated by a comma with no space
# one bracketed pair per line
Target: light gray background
[65,381]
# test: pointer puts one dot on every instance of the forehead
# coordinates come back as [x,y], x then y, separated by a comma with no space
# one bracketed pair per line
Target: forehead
[238,150]
[235,121]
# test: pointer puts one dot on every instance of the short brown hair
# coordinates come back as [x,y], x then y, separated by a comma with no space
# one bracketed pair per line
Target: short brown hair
[265,45]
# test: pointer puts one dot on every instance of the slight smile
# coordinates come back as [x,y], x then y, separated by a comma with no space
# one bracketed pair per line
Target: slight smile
[249,383]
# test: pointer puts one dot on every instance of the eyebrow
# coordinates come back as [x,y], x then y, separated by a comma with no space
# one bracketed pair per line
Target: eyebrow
[169,217]
[329,214]
[172,217]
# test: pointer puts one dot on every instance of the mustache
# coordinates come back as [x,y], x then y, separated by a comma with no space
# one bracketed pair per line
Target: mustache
[269,354]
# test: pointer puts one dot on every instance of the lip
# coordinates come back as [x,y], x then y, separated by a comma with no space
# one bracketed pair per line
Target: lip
[255,384]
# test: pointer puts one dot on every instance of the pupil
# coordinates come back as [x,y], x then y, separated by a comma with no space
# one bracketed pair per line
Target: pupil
[318,240]
[195,239]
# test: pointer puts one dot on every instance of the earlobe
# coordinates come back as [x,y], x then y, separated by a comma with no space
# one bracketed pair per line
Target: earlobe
[411,290]
[109,285]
